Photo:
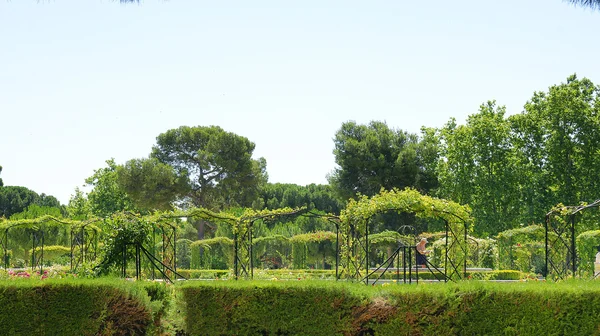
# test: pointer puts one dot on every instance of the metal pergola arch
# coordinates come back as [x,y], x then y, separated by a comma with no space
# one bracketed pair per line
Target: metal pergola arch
[81,249]
[358,214]
[166,261]
[560,237]
[243,239]
[361,258]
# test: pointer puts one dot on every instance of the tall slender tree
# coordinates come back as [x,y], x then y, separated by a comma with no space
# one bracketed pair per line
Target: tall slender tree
[479,168]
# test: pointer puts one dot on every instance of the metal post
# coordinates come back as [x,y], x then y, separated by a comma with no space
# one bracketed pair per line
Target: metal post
[546,243]
[404,264]
[82,237]
[446,248]
[6,264]
[466,253]
[409,265]
[416,265]
[71,250]
[573,250]
[235,255]
[33,251]
[154,249]
[175,250]
[124,266]
[367,249]
[164,254]
[337,250]
[398,267]
[41,261]
[137,261]
[250,252]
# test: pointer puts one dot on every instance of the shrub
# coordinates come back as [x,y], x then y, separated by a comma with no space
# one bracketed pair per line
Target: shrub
[326,308]
[586,251]
[73,308]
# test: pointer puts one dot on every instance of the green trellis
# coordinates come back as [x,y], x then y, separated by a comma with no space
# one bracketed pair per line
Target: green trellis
[356,228]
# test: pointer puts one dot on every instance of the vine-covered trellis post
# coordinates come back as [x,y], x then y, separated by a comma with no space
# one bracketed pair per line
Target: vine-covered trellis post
[560,233]
[356,219]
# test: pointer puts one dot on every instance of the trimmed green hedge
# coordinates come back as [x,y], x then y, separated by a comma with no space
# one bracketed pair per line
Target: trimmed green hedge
[326,308]
[204,273]
[74,307]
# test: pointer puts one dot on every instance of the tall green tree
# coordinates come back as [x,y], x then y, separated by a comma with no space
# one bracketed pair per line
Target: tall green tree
[195,166]
[107,196]
[79,206]
[1,183]
[374,156]
[15,199]
[217,165]
[558,141]
[479,168]
[151,184]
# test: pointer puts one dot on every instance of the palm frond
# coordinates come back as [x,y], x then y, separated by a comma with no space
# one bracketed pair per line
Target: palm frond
[594,4]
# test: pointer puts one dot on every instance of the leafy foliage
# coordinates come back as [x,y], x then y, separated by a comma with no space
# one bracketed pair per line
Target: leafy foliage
[594,4]
[371,157]
[313,196]
[218,165]
[35,211]
[479,168]
[522,249]
[587,248]
[150,184]
[214,253]
[123,230]
[107,196]
[14,199]
[355,219]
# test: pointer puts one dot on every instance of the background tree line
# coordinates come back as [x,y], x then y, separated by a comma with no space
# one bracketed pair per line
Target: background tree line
[510,169]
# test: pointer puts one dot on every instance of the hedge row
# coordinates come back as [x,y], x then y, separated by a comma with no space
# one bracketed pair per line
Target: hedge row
[77,307]
[318,308]
[286,274]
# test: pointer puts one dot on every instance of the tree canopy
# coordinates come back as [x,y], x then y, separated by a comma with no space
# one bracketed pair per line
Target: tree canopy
[512,170]
[287,195]
[374,156]
[217,165]
[15,199]
[107,196]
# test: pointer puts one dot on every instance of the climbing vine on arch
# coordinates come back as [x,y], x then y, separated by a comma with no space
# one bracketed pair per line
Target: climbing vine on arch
[355,221]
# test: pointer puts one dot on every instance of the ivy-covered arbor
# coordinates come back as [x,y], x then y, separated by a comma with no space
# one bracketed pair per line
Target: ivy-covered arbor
[356,223]
[560,241]
[82,238]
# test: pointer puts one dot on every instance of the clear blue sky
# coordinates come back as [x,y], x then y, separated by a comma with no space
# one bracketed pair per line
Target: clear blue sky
[84,81]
